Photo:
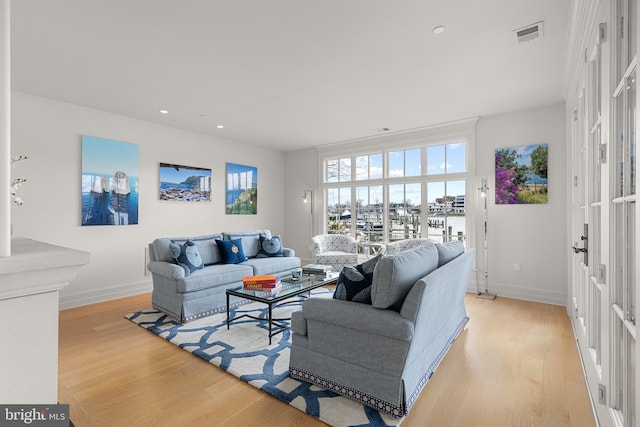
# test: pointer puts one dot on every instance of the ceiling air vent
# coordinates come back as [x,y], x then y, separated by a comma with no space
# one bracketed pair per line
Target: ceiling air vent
[529,32]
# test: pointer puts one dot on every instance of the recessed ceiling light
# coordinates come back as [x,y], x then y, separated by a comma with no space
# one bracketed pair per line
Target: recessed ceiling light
[220,126]
[438,30]
[163,111]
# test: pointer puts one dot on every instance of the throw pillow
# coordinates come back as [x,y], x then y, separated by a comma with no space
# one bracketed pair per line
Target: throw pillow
[270,247]
[186,256]
[206,246]
[231,251]
[449,251]
[250,240]
[354,283]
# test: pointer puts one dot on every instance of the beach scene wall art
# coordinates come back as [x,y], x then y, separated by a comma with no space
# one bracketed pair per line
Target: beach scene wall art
[109,182]
[521,175]
[242,190]
[180,183]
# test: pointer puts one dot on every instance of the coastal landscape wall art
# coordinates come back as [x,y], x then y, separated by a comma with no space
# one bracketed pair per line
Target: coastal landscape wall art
[109,182]
[242,190]
[521,175]
[180,183]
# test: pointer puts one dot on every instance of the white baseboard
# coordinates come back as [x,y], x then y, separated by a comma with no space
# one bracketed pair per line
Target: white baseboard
[527,294]
[79,299]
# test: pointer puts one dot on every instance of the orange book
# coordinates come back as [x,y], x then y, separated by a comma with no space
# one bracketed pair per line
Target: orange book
[263,288]
[264,281]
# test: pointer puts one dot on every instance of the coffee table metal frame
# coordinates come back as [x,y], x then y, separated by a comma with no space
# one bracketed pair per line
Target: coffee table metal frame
[289,290]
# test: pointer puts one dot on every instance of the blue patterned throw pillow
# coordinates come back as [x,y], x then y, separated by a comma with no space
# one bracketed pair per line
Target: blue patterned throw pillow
[186,256]
[270,247]
[354,283]
[231,251]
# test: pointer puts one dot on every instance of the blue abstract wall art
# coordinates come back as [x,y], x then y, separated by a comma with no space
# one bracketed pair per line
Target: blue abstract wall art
[109,182]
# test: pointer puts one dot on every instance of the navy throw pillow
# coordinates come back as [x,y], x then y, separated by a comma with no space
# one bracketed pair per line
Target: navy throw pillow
[270,247]
[186,256]
[354,283]
[231,251]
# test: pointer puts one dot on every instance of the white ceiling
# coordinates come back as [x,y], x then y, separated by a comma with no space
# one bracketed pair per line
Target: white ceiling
[290,74]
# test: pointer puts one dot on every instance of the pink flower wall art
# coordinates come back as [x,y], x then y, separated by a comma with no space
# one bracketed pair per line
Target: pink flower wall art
[521,175]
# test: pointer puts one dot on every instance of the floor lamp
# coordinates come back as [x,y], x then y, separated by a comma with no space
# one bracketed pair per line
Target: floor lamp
[484,196]
[307,198]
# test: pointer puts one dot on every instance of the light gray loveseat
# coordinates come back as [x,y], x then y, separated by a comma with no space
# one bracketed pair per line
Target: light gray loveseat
[383,354]
[203,292]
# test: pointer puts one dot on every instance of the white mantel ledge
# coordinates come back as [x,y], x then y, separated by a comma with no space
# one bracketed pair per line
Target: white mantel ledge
[36,267]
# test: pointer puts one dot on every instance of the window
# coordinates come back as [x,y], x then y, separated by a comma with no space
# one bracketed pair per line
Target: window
[399,192]
[370,214]
[405,211]
[339,210]
[338,170]
[404,163]
[446,159]
[447,210]
[624,281]
[369,167]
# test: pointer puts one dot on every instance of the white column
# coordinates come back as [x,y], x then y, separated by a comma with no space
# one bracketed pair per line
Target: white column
[30,282]
[5,128]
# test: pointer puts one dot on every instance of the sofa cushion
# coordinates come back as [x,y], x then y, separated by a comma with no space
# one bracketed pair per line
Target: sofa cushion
[187,256]
[231,251]
[395,275]
[250,240]
[448,251]
[269,247]
[354,282]
[206,245]
[273,265]
[214,276]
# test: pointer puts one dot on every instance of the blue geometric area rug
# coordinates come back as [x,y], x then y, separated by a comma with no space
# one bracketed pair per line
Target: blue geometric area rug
[244,351]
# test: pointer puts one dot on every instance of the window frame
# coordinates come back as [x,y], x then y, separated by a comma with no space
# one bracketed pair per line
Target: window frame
[450,133]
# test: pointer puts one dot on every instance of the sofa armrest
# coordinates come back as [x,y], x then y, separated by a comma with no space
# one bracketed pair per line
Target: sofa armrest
[447,283]
[352,315]
[298,323]
[288,252]
[317,249]
[166,269]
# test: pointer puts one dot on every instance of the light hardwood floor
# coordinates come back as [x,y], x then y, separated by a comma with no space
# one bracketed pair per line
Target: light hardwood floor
[515,364]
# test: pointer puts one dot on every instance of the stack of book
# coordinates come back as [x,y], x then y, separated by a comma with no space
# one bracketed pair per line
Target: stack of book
[267,283]
[318,270]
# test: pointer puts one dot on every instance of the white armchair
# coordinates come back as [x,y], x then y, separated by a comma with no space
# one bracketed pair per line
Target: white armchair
[336,250]
[406,244]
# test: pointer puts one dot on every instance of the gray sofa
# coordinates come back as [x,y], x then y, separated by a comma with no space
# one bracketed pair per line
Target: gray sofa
[383,354]
[186,297]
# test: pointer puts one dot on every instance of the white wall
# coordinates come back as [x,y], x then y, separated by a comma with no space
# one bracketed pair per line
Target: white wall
[301,174]
[50,133]
[533,236]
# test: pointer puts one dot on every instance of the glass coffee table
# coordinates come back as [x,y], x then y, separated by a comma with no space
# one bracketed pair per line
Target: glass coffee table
[289,290]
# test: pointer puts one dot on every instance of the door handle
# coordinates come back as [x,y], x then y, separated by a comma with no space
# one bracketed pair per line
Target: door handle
[578,250]
[585,245]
